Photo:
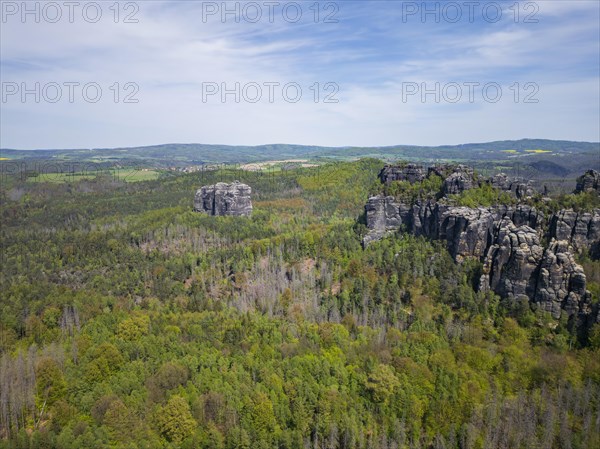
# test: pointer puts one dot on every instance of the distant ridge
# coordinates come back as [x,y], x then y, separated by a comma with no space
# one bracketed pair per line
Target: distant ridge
[522,144]
[551,156]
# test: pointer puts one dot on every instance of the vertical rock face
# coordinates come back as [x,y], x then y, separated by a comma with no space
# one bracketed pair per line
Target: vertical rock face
[441,170]
[508,241]
[517,186]
[524,190]
[582,230]
[384,214]
[224,199]
[465,230]
[588,182]
[561,282]
[522,214]
[512,261]
[518,267]
[410,172]
[506,238]
[462,179]
[501,181]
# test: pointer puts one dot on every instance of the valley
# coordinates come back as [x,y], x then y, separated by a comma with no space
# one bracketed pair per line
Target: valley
[122,308]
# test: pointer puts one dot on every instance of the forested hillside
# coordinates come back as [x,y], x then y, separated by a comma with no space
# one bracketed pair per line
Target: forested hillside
[539,158]
[128,320]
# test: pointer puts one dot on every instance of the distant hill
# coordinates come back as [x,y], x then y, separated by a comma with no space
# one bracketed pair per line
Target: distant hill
[549,157]
[550,167]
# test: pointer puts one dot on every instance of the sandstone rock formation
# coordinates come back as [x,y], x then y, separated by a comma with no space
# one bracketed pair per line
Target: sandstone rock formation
[383,215]
[517,267]
[409,172]
[457,178]
[460,180]
[501,181]
[589,181]
[508,239]
[582,230]
[561,282]
[517,186]
[224,199]
[512,260]
[467,231]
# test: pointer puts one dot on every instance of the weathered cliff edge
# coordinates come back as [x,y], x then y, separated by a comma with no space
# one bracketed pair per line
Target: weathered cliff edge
[224,199]
[589,181]
[508,240]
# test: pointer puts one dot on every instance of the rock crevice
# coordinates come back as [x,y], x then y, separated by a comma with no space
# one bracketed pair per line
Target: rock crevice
[224,199]
[588,182]
[507,239]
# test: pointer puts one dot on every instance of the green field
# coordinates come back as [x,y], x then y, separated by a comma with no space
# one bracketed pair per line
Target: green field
[122,311]
[121,174]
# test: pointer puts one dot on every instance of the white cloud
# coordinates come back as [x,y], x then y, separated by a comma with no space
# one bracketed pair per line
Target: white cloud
[171,52]
[562,8]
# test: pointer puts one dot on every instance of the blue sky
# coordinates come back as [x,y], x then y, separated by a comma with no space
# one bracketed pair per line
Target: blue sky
[374,53]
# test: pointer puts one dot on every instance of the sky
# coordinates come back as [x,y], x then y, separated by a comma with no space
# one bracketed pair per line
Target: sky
[346,73]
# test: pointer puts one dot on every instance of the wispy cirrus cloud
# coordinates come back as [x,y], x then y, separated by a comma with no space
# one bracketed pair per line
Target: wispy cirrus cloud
[372,50]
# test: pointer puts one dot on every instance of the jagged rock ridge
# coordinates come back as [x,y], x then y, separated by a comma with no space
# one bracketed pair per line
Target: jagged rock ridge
[507,239]
[409,172]
[457,178]
[224,199]
[582,230]
[517,266]
[517,186]
[461,179]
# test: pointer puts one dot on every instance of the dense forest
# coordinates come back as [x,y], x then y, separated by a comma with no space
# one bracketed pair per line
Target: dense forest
[129,321]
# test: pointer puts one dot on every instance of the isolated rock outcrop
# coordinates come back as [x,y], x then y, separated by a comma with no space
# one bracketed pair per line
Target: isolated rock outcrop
[588,182]
[460,180]
[224,199]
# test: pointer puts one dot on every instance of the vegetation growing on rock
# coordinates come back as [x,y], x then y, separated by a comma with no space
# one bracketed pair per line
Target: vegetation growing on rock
[128,320]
